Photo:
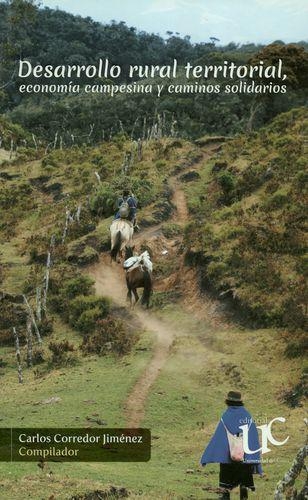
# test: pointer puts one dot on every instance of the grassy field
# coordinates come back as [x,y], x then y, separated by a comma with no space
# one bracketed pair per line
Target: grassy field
[94,388]
[182,411]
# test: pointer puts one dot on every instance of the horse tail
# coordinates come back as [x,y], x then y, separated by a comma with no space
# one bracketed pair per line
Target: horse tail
[117,246]
[147,288]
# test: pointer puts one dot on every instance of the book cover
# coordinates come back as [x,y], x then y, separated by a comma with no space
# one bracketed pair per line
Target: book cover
[153,300]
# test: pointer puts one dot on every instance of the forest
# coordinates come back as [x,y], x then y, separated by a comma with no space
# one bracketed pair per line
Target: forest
[52,37]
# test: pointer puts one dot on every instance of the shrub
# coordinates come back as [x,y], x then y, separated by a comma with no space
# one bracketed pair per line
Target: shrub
[48,162]
[302,163]
[9,131]
[46,326]
[252,177]
[162,299]
[63,353]
[20,198]
[111,335]
[65,287]
[160,164]
[278,199]
[226,181]
[11,314]
[217,270]
[297,346]
[3,363]
[38,356]
[288,144]
[83,303]
[103,201]
[293,396]
[82,254]
[80,285]
[295,315]
[119,139]
[87,320]
[36,257]
[171,230]
[302,179]
[84,226]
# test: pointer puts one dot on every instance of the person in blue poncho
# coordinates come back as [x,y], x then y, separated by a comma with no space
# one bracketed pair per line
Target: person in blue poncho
[234,473]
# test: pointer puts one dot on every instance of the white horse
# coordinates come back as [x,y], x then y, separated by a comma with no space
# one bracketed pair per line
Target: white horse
[121,231]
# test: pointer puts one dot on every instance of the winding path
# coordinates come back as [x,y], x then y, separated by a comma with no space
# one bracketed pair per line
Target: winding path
[109,280]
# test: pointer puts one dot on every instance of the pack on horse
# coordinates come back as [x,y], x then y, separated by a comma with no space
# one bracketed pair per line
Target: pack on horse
[138,275]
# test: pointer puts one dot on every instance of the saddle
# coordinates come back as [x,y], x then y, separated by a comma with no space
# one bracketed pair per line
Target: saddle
[122,220]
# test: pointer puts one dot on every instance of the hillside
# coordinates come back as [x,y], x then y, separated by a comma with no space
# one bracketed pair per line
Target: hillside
[40,191]
[248,233]
[207,217]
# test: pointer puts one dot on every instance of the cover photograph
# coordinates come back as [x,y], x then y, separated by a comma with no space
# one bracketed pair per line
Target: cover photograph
[153,249]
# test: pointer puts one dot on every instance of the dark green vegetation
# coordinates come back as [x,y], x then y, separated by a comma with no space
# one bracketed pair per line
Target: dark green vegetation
[55,37]
[248,238]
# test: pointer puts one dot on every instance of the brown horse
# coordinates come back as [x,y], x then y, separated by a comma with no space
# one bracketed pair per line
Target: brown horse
[139,277]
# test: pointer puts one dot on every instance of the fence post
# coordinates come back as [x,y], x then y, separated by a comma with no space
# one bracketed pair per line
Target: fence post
[19,368]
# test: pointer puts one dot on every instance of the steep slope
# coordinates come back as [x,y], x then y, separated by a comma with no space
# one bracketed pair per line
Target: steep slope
[248,234]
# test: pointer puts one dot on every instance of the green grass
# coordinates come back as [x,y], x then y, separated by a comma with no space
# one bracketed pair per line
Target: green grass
[15,269]
[96,385]
[5,156]
[189,391]
[192,388]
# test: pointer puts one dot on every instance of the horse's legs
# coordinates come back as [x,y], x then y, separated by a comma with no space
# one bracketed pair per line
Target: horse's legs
[129,290]
[112,245]
[119,258]
[136,295]
[129,296]
[147,289]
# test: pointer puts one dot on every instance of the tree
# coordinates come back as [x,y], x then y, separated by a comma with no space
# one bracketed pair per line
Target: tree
[214,39]
[295,62]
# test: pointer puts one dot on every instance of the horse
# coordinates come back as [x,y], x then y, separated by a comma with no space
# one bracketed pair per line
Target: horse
[121,231]
[138,275]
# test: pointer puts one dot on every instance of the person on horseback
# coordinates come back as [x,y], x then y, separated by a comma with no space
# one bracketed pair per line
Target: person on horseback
[127,208]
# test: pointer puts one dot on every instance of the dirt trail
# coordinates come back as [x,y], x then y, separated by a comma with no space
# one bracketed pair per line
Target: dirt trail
[135,403]
[110,281]
[179,201]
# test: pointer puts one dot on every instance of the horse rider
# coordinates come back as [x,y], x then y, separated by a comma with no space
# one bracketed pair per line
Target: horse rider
[127,208]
